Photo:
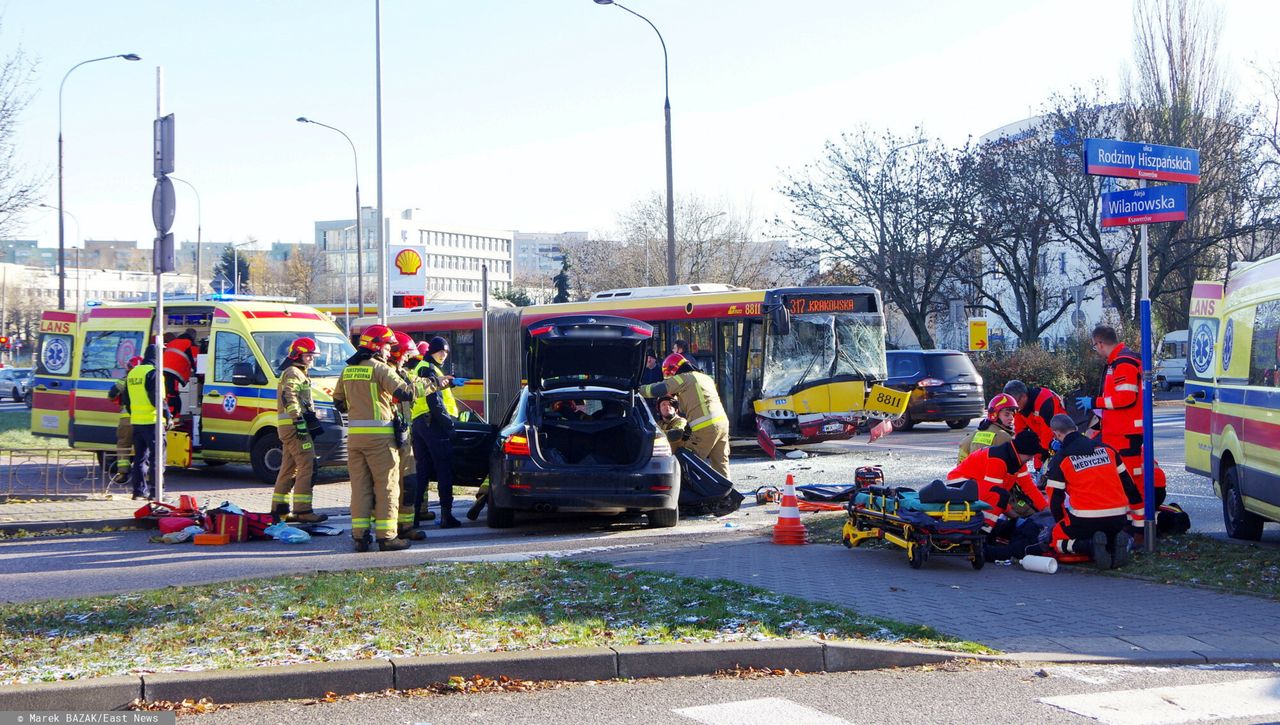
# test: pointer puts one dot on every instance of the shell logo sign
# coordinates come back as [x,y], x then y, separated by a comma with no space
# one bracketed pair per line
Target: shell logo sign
[408,261]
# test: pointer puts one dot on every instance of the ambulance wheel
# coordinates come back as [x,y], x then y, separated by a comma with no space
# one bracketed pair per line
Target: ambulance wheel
[1240,524]
[663,518]
[919,554]
[977,556]
[265,456]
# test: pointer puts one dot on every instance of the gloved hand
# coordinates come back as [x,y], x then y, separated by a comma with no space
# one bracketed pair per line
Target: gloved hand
[686,434]
[1084,402]
[313,424]
[456,382]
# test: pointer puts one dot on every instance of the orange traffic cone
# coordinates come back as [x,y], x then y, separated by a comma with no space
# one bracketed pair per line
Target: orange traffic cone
[789,530]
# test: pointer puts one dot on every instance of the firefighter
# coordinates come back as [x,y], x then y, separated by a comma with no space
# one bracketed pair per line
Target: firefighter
[996,429]
[366,392]
[140,398]
[433,425]
[671,423]
[291,498]
[696,394]
[1120,403]
[1036,407]
[1001,473]
[404,357]
[1101,490]
[124,427]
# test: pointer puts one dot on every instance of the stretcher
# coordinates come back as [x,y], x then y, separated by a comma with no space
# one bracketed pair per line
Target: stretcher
[897,515]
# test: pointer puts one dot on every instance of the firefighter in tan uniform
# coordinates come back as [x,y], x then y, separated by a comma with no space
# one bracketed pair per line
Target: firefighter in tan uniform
[696,393]
[367,392]
[291,498]
[124,428]
[673,425]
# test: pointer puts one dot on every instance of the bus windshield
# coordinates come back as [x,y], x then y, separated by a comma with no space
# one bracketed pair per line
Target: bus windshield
[822,346]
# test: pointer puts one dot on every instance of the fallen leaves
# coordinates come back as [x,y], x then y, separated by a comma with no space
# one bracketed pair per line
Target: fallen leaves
[186,707]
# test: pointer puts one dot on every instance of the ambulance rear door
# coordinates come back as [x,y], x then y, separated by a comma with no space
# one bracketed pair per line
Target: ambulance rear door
[1203,353]
[54,382]
[109,337]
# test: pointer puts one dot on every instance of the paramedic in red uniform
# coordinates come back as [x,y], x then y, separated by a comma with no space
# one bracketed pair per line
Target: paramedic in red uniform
[1102,496]
[997,471]
[1120,405]
[1036,407]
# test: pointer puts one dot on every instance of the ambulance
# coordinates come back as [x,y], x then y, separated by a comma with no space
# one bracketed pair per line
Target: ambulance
[227,406]
[1233,394]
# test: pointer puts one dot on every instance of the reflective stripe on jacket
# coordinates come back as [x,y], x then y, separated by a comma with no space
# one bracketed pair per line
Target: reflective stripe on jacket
[367,388]
[1120,401]
[293,398]
[697,396]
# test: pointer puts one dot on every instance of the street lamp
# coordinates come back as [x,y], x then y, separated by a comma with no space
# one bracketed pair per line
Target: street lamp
[666,109]
[359,235]
[235,261]
[79,241]
[199,228]
[62,253]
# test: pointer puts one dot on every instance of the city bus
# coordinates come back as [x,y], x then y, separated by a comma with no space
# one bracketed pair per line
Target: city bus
[797,364]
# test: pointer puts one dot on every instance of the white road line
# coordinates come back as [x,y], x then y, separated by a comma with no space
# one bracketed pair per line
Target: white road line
[1188,703]
[765,711]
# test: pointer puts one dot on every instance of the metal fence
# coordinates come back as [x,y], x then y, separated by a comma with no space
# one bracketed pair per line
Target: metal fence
[54,472]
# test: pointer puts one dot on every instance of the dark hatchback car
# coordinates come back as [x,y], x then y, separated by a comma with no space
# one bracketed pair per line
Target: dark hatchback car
[944,386]
[579,437]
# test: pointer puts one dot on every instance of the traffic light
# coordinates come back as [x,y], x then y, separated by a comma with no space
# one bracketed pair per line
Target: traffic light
[4,342]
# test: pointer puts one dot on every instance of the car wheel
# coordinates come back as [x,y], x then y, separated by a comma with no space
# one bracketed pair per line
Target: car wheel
[498,517]
[903,422]
[958,423]
[27,399]
[17,397]
[1240,524]
[663,518]
[265,457]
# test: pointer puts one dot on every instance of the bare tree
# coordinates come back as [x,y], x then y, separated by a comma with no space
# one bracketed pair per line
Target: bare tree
[304,274]
[897,220]
[18,191]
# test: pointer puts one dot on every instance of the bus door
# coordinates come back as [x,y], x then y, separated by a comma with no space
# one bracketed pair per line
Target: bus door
[700,336]
[109,338]
[728,362]
[750,373]
[51,389]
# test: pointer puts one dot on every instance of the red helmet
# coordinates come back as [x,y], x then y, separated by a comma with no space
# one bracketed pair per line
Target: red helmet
[134,362]
[401,347]
[376,337]
[1002,401]
[422,348]
[672,364]
[302,346]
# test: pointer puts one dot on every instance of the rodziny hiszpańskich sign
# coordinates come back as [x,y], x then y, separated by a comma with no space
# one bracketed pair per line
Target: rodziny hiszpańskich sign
[1130,160]
[1144,206]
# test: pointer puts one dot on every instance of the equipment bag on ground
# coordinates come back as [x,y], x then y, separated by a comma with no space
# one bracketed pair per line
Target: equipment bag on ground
[702,489]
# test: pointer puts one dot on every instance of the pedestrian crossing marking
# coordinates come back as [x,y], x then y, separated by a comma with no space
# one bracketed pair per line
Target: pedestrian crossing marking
[765,711]
[1186,703]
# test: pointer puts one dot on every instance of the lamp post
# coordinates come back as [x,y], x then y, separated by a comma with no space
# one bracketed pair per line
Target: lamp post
[199,228]
[666,110]
[62,252]
[359,235]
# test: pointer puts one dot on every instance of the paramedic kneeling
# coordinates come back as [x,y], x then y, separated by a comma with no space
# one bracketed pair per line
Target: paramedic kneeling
[1102,493]
[997,471]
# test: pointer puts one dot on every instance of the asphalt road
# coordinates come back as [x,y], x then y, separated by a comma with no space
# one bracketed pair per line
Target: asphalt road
[962,694]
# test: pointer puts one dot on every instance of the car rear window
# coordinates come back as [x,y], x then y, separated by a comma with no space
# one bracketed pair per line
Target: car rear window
[946,367]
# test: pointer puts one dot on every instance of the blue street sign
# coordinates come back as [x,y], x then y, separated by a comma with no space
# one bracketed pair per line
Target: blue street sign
[1107,157]
[1144,206]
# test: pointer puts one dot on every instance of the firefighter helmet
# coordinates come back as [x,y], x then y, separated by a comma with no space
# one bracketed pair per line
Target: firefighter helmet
[134,362]
[672,364]
[423,348]
[302,346]
[1002,401]
[376,337]
[401,347]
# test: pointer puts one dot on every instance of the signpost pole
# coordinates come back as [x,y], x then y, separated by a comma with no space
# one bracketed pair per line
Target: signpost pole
[158,452]
[1148,428]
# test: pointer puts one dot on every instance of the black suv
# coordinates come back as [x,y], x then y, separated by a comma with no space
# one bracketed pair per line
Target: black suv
[579,437]
[944,386]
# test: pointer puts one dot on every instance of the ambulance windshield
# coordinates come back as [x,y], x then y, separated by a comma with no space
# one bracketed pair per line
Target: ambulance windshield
[332,351]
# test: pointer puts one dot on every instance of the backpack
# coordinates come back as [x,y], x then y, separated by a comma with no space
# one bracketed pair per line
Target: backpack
[1171,519]
[241,526]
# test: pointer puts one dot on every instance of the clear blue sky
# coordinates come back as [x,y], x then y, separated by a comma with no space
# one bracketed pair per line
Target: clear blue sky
[513,114]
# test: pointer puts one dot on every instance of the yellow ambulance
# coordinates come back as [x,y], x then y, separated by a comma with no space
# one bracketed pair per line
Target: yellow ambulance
[228,406]
[1233,394]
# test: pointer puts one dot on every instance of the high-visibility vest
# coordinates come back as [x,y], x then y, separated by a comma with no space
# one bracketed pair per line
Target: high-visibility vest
[446,394]
[421,370]
[141,411]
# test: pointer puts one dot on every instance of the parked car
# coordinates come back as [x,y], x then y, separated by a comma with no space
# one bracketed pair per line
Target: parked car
[579,437]
[28,383]
[1171,364]
[11,380]
[944,386]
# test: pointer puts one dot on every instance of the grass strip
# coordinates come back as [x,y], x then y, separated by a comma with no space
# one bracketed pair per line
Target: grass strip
[15,432]
[1237,567]
[437,608]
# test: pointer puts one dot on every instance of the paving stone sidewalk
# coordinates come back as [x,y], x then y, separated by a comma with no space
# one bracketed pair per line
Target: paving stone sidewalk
[1004,607]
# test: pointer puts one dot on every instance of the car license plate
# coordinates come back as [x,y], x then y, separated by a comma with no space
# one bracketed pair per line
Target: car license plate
[963,386]
[833,427]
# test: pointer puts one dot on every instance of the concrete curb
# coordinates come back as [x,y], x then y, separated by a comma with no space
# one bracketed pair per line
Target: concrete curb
[12,527]
[313,680]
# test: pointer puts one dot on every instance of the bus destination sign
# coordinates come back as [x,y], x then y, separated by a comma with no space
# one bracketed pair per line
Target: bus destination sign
[818,305]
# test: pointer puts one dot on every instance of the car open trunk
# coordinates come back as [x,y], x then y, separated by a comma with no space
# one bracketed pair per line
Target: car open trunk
[592,428]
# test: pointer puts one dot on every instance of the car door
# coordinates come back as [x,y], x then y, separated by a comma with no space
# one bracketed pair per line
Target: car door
[472,449]
[228,410]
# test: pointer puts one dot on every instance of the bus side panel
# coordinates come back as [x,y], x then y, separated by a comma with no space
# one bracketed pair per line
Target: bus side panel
[52,390]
